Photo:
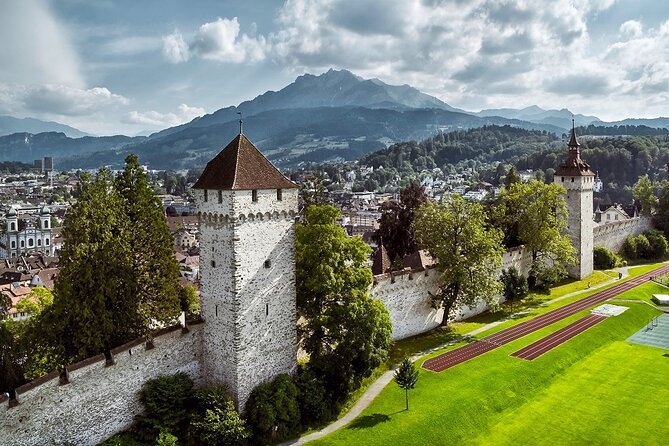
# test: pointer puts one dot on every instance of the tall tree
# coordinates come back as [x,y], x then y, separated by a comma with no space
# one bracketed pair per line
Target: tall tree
[468,252]
[396,230]
[346,333]
[155,270]
[539,211]
[406,377]
[661,219]
[93,309]
[644,194]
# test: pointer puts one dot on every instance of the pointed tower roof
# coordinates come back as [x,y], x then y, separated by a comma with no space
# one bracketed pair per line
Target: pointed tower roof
[241,166]
[381,261]
[574,166]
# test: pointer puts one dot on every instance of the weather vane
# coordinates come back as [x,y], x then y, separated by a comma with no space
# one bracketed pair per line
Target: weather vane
[240,122]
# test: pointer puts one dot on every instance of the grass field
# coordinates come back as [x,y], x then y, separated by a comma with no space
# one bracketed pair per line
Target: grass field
[594,389]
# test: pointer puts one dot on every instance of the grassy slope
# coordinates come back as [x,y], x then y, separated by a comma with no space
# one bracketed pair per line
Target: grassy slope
[495,398]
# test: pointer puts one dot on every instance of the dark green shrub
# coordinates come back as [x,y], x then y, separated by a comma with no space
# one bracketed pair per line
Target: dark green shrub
[315,406]
[658,243]
[643,250]
[515,285]
[166,403]
[603,258]
[215,420]
[629,249]
[272,411]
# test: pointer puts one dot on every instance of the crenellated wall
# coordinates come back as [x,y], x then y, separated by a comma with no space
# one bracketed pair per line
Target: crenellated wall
[99,400]
[406,295]
[612,235]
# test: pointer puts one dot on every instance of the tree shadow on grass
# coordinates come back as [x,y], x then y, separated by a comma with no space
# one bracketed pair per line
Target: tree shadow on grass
[666,355]
[368,421]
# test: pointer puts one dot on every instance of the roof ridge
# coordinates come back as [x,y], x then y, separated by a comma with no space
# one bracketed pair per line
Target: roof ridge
[239,147]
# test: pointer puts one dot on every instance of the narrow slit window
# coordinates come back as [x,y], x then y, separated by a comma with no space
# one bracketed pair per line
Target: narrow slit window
[213,263]
[216,310]
[254,195]
[220,196]
[268,263]
[206,195]
[266,309]
[279,194]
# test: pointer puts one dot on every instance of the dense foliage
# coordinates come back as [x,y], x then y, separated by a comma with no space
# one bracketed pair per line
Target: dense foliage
[344,331]
[273,411]
[515,285]
[396,230]
[605,259]
[479,145]
[652,244]
[468,250]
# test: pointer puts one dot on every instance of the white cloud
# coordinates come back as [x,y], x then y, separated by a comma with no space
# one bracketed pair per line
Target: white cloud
[219,40]
[54,100]
[631,29]
[175,48]
[162,120]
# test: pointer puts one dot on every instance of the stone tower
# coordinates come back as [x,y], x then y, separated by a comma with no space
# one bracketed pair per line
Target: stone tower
[575,176]
[247,214]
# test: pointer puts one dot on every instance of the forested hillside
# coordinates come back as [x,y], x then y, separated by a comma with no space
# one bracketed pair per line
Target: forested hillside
[470,148]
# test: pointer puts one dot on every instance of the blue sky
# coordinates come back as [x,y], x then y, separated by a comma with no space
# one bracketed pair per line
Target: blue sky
[126,66]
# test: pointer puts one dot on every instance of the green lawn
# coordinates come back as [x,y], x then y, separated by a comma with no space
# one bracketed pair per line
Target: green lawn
[595,389]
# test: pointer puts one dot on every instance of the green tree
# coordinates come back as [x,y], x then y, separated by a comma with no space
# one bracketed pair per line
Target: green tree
[539,211]
[93,309]
[661,218]
[165,401]
[603,258]
[165,438]
[658,243]
[643,192]
[515,285]
[272,410]
[221,426]
[155,270]
[11,356]
[406,377]
[345,332]
[396,223]
[189,301]
[468,252]
[513,177]
[37,301]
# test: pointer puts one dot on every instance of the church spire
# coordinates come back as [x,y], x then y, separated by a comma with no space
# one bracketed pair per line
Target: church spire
[573,142]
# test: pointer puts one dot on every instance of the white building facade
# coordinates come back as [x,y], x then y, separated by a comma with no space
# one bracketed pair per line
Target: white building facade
[33,235]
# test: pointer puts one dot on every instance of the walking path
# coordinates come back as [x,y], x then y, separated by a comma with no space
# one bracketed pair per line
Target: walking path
[378,385]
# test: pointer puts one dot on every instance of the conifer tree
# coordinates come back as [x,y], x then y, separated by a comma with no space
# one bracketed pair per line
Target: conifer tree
[92,309]
[406,377]
[155,271]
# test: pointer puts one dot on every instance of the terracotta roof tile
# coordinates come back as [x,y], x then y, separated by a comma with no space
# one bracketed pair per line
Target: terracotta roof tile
[241,166]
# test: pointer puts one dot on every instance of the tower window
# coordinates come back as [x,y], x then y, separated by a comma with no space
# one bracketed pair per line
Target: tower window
[30,242]
[39,242]
[220,196]
[12,226]
[268,263]
[572,180]
[254,195]
[279,194]
[563,179]
[23,244]
[46,242]
[213,263]
[266,309]
[13,244]
[206,195]
[46,224]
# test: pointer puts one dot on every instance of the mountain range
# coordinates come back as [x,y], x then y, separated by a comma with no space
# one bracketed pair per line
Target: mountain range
[335,115]
[10,124]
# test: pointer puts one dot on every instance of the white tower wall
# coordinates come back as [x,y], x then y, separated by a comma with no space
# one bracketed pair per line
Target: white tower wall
[248,287]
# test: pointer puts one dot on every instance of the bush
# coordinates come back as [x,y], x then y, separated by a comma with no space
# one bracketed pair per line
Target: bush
[166,402]
[515,285]
[215,420]
[605,259]
[658,243]
[272,411]
[315,405]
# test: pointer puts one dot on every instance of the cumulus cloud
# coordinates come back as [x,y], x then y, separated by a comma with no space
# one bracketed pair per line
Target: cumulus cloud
[50,99]
[158,119]
[220,40]
[631,29]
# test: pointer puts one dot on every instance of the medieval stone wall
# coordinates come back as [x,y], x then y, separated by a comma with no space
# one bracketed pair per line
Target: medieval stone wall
[99,400]
[406,295]
[613,235]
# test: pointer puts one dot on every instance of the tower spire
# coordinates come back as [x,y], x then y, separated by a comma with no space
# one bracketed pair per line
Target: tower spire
[573,142]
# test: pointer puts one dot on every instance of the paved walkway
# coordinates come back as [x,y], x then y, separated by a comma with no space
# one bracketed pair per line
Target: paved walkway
[378,385]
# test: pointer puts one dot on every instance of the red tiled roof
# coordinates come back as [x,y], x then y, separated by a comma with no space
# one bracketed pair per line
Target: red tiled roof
[241,166]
